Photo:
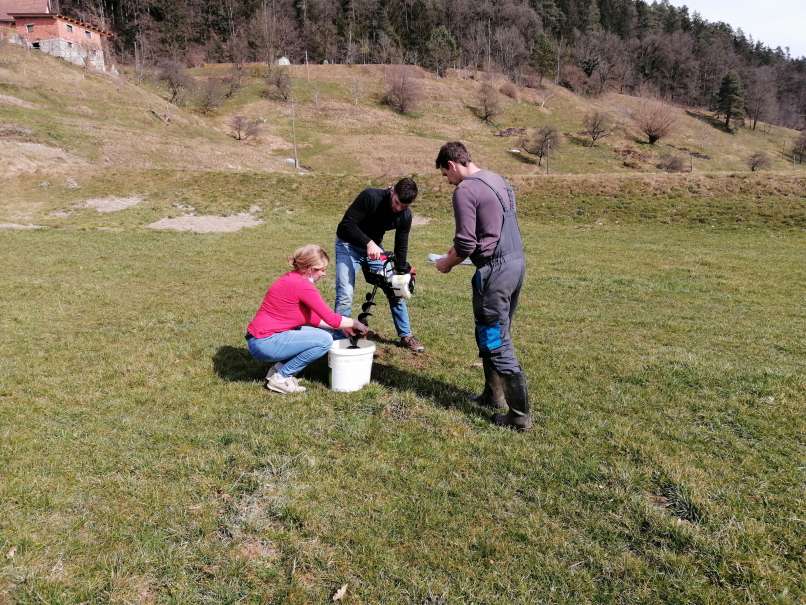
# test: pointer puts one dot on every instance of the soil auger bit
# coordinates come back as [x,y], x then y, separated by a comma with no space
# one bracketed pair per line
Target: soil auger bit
[383,279]
[363,317]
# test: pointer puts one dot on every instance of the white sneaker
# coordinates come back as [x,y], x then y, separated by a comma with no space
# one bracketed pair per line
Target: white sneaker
[281,384]
[274,369]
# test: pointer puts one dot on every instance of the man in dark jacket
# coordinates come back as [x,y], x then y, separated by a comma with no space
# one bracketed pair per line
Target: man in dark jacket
[359,237]
[487,232]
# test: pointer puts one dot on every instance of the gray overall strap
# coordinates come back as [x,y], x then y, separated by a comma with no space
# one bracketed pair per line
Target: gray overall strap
[510,194]
[510,245]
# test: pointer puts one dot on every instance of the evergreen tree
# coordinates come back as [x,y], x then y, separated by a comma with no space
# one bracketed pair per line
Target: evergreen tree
[442,49]
[543,55]
[730,99]
[593,18]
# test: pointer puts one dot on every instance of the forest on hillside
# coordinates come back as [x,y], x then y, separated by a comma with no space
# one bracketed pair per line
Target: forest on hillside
[589,46]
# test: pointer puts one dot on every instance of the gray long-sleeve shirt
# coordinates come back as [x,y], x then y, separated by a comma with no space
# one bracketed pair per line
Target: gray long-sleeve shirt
[478,215]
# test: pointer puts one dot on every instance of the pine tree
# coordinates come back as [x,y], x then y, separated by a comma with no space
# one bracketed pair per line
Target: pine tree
[542,58]
[730,99]
[593,18]
[443,48]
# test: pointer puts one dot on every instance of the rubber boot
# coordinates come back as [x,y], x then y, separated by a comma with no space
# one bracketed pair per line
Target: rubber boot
[493,394]
[518,416]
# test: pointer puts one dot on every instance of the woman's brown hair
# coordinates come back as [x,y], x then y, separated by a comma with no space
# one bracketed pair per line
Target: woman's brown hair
[307,257]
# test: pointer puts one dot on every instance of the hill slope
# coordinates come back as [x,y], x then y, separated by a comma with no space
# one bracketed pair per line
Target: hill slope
[55,116]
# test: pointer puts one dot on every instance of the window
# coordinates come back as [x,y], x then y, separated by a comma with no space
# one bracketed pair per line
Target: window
[87,34]
[69,45]
[69,28]
[30,27]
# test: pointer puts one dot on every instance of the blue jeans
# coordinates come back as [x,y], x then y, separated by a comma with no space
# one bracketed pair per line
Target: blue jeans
[297,348]
[349,259]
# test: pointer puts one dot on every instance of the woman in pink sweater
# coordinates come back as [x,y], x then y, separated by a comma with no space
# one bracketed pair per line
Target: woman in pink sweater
[291,325]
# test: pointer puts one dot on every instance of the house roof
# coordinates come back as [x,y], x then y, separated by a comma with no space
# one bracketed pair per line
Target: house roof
[22,6]
[82,24]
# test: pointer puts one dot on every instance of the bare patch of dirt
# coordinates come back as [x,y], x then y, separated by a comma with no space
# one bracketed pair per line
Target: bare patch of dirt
[17,226]
[9,100]
[112,204]
[207,224]
[20,157]
[255,549]
[418,220]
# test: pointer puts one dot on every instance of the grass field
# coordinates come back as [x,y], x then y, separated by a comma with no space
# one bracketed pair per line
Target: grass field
[661,329]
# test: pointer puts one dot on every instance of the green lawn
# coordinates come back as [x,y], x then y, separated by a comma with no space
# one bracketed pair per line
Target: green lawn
[142,462]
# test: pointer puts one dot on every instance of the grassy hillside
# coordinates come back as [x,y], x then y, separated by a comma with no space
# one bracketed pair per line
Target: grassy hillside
[349,130]
[54,116]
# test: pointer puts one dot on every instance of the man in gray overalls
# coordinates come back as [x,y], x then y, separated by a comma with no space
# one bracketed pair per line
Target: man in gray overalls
[487,232]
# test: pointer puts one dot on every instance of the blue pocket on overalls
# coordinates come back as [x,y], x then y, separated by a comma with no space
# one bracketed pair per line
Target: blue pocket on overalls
[488,337]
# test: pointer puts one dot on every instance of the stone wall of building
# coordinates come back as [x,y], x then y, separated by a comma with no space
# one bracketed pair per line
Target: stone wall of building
[74,53]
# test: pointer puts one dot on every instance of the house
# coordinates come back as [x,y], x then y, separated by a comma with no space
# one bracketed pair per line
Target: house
[34,24]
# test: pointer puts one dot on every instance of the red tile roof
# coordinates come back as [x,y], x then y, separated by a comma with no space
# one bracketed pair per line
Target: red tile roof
[22,6]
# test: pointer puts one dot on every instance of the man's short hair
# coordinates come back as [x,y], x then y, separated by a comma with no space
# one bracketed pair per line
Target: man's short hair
[455,152]
[406,190]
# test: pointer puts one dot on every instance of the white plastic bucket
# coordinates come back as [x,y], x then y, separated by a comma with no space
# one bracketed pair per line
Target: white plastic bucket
[350,369]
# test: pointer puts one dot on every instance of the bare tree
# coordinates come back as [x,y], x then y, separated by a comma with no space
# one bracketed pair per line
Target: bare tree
[278,83]
[597,126]
[489,102]
[544,98]
[355,91]
[758,161]
[174,76]
[243,128]
[541,142]
[655,119]
[799,148]
[760,99]
[403,92]
[211,95]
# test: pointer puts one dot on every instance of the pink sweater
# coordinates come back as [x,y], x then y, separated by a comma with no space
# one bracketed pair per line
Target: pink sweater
[290,302]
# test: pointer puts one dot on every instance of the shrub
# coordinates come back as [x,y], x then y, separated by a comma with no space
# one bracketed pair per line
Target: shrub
[244,128]
[672,163]
[174,76]
[489,102]
[211,95]
[510,90]
[799,147]
[403,92]
[597,126]
[278,83]
[655,119]
[541,142]
[758,161]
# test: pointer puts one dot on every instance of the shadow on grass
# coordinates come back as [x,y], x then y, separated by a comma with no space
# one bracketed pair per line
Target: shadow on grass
[442,393]
[710,120]
[523,158]
[235,364]
[576,139]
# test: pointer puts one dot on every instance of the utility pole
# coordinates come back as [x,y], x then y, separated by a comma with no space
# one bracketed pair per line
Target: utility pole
[294,133]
